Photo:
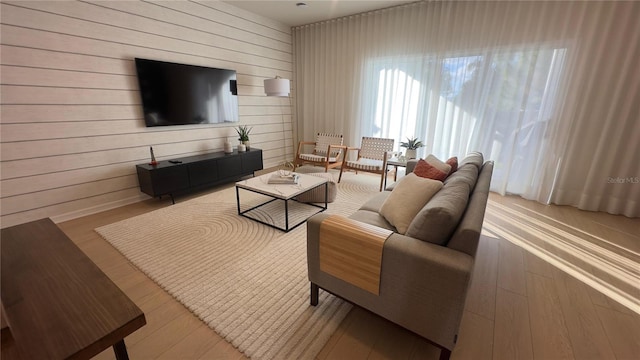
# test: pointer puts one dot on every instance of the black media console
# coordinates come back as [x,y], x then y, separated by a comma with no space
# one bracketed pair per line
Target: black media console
[197,172]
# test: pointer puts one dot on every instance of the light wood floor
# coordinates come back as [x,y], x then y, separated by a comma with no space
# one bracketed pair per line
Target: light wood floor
[519,306]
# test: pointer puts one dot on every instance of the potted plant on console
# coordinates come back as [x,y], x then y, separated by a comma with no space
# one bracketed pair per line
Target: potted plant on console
[243,135]
[412,145]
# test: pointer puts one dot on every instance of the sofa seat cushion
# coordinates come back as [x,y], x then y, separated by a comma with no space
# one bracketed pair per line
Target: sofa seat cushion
[375,203]
[406,200]
[438,219]
[372,218]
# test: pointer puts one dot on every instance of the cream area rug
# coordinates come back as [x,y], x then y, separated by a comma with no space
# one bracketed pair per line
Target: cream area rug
[245,280]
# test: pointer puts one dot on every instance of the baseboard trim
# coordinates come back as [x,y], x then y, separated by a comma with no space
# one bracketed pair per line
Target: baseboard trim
[98,208]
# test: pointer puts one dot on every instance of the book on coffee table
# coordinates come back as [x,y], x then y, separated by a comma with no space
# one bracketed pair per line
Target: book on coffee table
[280,179]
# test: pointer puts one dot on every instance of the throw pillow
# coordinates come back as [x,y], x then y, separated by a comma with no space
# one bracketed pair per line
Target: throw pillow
[444,167]
[453,161]
[426,170]
[407,199]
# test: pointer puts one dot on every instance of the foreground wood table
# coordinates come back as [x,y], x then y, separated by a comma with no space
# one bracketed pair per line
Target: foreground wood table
[57,303]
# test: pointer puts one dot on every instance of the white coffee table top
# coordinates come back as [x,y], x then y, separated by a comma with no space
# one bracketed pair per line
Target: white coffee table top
[281,191]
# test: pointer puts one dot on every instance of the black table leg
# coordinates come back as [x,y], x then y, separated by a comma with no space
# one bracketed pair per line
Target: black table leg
[314,294]
[286,215]
[326,194]
[120,349]
[238,199]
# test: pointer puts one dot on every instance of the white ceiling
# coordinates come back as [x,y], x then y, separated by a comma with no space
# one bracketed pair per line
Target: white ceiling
[288,13]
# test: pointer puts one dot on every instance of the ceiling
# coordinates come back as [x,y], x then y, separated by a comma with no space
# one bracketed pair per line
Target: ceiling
[288,13]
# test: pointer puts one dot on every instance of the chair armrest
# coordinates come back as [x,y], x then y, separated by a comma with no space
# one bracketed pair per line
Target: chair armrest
[350,148]
[342,153]
[339,147]
[302,143]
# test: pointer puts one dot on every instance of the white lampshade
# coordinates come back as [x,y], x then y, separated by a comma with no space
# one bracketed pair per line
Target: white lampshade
[276,87]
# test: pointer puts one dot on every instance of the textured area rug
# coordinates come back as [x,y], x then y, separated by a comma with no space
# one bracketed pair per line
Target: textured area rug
[245,280]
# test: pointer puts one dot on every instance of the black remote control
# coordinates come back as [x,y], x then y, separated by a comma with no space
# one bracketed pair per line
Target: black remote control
[175,161]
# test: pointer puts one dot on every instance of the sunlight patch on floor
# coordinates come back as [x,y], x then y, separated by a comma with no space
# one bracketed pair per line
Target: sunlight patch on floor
[569,252]
[550,219]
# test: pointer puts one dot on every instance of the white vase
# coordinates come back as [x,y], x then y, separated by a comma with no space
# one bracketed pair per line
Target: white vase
[242,148]
[411,154]
[228,148]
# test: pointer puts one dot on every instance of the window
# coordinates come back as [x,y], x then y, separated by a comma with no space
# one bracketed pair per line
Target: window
[498,102]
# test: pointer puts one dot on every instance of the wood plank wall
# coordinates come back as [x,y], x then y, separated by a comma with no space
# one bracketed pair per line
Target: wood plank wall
[71,116]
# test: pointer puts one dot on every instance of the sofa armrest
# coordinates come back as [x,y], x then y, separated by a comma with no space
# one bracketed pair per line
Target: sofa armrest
[423,286]
[405,257]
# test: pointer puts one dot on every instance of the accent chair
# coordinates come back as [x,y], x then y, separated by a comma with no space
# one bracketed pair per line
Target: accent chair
[328,152]
[373,154]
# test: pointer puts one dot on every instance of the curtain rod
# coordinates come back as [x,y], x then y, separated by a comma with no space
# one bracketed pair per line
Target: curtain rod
[366,13]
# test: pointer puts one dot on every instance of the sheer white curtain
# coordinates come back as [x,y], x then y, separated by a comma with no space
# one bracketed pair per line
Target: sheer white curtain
[548,90]
[499,101]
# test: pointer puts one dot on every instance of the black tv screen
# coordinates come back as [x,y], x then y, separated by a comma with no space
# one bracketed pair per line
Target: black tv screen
[179,94]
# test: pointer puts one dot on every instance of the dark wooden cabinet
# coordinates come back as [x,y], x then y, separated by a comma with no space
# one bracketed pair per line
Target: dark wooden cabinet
[170,177]
[230,168]
[205,171]
[252,161]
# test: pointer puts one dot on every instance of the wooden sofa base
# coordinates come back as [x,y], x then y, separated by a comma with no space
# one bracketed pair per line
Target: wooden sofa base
[445,353]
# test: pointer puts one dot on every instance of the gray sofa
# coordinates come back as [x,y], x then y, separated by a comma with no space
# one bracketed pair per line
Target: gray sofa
[424,274]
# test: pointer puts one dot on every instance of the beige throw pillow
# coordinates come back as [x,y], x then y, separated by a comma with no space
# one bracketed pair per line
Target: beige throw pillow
[407,198]
[438,164]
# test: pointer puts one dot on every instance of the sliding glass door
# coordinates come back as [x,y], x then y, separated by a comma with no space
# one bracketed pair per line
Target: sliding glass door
[499,102]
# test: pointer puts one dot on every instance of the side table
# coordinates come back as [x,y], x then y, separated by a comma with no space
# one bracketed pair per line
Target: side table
[395,162]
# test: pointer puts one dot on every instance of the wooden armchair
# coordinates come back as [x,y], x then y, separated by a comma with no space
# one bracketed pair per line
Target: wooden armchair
[373,154]
[328,152]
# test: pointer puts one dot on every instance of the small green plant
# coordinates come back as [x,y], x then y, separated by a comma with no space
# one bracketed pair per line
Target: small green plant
[412,144]
[243,132]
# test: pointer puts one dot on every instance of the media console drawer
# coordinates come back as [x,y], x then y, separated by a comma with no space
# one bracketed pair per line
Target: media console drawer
[196,172]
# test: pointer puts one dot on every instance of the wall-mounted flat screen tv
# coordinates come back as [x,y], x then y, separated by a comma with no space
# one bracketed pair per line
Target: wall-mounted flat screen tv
[179,94]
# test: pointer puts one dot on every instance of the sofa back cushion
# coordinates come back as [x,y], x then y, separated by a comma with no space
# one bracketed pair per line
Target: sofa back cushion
[406,200]
[467,234]
[438,219]
[467,173]
[475,158]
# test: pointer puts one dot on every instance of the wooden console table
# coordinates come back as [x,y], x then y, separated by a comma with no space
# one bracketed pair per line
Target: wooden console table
[196,172]
[57,303]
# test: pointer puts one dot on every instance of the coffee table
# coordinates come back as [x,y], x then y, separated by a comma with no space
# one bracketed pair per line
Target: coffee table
[271,212]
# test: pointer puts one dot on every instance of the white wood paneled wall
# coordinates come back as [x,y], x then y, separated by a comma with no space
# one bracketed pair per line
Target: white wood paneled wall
[71,118]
